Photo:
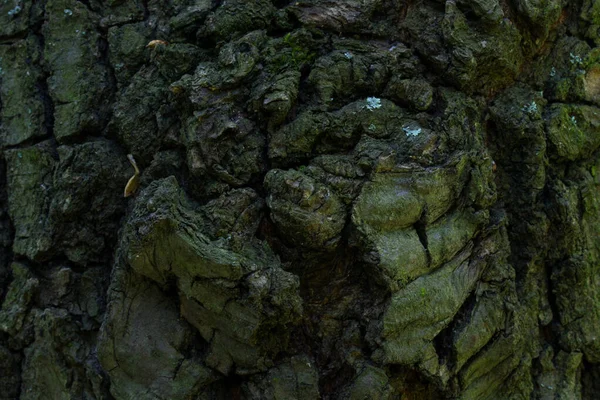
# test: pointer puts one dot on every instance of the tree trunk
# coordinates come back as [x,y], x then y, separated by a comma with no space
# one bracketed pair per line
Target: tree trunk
[341,199]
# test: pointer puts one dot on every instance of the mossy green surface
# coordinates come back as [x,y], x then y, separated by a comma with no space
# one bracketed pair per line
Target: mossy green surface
[227,290]
[337,199]
[127,50]
[590,13]
[88,229]
[294,378]
[371,382]
[28,185]
[308,211]
[14,17]
[448,235]
[387,203]
[574,130]
[23,115]
[134,351]
[17,302]
[420,310]
[237,17]
[135,115]
[79,84]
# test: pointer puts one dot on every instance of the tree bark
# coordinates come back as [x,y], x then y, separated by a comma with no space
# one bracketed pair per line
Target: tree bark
[341,199]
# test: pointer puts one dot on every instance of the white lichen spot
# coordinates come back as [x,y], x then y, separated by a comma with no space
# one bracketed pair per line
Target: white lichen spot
[553,72]
[14,11]
[483,44]
[573,120]
[372,127]
[530,108]
[575,59]
[412,129]
[348,55]
[373,103]
[68,12]
[66,204]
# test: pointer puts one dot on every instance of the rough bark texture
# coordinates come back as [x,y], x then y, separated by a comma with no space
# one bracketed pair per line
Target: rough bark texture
[340,199]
